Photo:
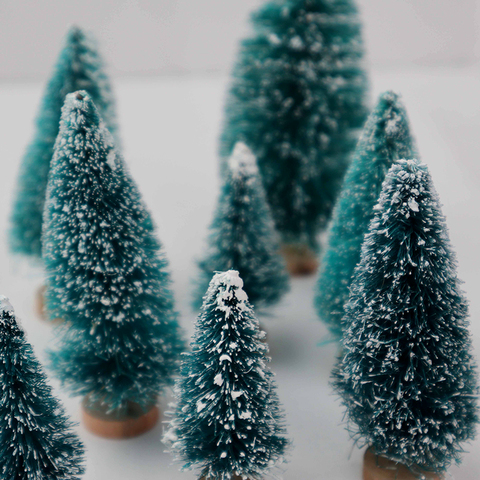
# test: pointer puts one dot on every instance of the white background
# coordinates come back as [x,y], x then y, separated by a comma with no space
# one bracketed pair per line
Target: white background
[151,37]
[423,49]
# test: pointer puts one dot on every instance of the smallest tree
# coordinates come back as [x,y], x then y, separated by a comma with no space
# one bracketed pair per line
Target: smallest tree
[407,377]
[227,418]
[36,437]
[243,236]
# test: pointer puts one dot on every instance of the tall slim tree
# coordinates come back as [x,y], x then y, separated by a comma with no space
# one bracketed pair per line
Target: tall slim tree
[243,236]
[79,67]
[107,275]
[37,440]
[297,99]
[408,377]
[385,139]
[227,418]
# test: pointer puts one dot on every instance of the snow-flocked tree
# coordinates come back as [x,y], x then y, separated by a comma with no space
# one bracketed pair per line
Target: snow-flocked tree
[297,99]
[79,67]
[407,377]
[243,236]
[227,418]
[106,273]
[37,440]
[385,139]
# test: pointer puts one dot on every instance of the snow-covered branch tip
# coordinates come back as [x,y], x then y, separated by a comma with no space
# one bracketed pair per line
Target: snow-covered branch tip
[223,287]
[242,161]
[5,305]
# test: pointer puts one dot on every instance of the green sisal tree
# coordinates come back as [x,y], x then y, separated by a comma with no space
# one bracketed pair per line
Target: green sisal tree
[106,273]
[79,67]
[407,376]
[37,440]
[386,138]
[227,418]
[243,236]
[297,99]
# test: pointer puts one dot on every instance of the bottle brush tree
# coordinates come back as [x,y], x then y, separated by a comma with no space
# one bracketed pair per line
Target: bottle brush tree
[243,236]
[227,418]
[106,273]
[37,440]
[385,139]
[407,376]
[297,99]
[79,67]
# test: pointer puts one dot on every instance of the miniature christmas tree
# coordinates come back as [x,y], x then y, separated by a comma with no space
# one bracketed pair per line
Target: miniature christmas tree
[227,417]
[107,277]
[36,437]
[297,98]
[407,376]
[243,235]
[79,67]
[386,138]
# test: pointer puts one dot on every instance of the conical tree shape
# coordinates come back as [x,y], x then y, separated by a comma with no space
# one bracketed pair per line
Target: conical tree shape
[408,377]
[227,419]
[107,276]
[297,99]
[243,235]
[37,440]
[79,67]
[385,139]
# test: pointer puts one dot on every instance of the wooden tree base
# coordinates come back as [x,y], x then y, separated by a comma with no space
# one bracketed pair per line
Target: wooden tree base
[376,467]
[300,260]
[135,423]
[40,302]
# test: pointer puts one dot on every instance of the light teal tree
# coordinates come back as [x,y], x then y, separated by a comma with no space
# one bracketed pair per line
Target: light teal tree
[297,99]
[79,67]
[386,138]
[407,377]
[107,275]
[227,420]
[243,237]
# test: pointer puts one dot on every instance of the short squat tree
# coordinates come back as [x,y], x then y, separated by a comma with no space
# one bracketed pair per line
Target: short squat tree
[227,418]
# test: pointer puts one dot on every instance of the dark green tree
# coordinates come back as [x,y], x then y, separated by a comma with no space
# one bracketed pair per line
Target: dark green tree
[386,138]
[243,236]
[79,67]
[227,418]
[407,377]
[37,440]
[297,99]
[106,273]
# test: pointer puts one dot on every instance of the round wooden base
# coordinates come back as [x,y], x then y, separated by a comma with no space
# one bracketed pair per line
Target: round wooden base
[40,302]
[376,467]
[108,426]
[300,260]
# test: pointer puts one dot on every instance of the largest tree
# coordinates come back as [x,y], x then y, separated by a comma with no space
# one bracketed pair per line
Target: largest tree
[79,67]
[297,98]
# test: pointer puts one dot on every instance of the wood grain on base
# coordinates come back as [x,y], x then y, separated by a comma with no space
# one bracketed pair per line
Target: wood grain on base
[376,467]
[128,427]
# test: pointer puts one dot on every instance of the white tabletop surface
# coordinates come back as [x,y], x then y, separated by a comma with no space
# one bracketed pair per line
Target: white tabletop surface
[169,128]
